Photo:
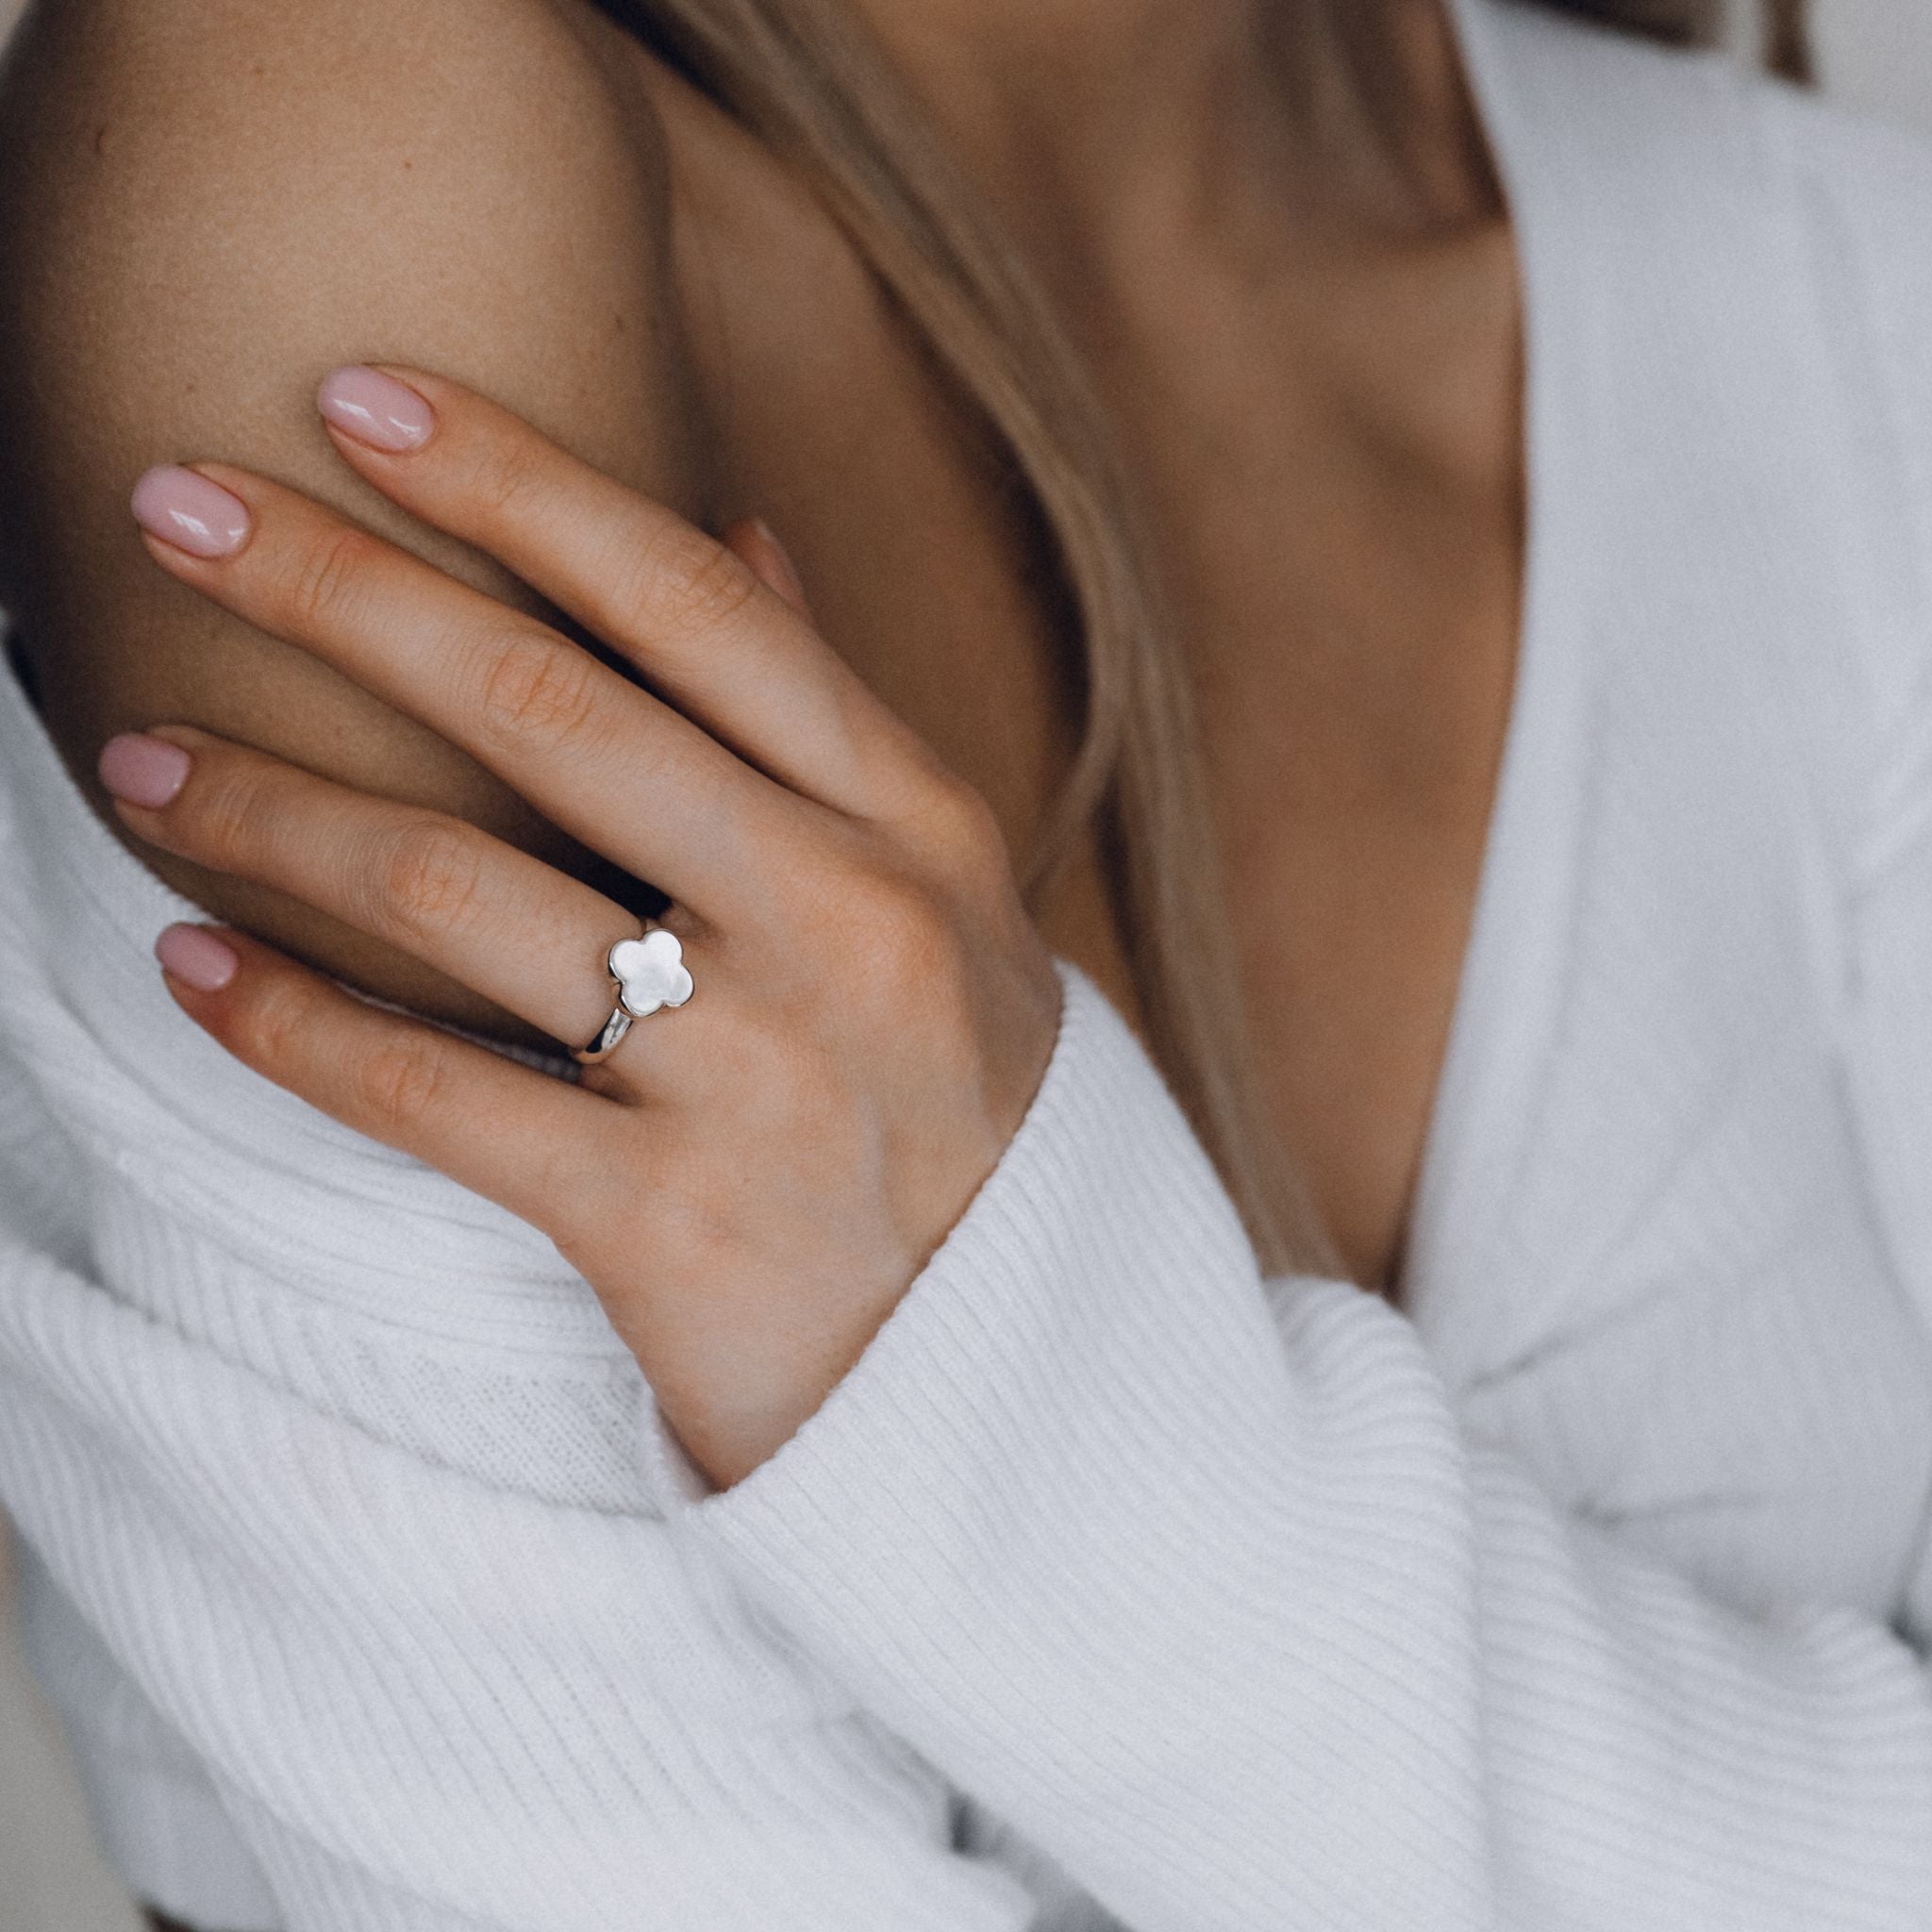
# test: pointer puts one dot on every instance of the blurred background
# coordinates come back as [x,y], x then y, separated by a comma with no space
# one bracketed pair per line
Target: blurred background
[1877,54]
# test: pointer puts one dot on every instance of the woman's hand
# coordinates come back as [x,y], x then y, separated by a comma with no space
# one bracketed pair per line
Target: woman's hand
[750,1181]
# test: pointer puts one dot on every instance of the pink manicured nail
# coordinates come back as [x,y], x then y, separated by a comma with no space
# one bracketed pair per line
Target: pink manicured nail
[197,956]
[184,508]
[377,409]
[143,770]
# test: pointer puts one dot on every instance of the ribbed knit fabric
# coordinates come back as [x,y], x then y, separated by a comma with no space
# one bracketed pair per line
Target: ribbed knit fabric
[1116,1585]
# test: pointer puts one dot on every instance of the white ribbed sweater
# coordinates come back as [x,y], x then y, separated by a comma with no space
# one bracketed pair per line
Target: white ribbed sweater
[1115,1585]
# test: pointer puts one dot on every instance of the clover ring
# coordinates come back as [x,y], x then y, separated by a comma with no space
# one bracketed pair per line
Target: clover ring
[647,972]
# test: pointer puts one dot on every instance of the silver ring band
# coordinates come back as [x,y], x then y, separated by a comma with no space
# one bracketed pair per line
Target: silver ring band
[604,1044]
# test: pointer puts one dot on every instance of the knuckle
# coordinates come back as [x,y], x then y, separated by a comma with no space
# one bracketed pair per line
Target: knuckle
[269,1030]
[397,1084]
[694,583]
[429,881]
[964,835]
[322,581]
[510,483]
[904,939]
[225,811]
[535,689]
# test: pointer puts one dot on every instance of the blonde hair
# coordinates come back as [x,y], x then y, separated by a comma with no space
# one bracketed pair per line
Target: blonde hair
[815,87]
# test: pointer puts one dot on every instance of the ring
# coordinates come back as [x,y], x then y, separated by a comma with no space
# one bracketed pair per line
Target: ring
[646,973]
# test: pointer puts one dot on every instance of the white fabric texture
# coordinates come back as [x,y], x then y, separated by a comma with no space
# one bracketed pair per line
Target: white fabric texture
[1116,1587]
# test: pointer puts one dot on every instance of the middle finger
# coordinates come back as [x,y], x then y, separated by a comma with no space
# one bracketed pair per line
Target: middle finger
[610,764]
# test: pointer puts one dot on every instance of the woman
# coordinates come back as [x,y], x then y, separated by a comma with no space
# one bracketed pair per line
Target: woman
[861,1409]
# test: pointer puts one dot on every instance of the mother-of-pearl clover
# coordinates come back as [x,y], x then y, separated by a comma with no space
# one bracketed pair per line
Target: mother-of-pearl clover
[650,973]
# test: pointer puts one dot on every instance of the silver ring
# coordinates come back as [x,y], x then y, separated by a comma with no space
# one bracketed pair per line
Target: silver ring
[646,973]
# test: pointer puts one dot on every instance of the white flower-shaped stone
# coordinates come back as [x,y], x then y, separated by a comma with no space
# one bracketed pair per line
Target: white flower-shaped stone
[650,973]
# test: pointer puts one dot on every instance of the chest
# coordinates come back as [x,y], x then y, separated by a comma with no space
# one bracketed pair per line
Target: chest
[1343,545]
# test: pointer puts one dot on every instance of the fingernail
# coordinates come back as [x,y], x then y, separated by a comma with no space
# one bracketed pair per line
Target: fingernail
[377,409]
[785,578]
[197,957]
[182,507]
[143,770]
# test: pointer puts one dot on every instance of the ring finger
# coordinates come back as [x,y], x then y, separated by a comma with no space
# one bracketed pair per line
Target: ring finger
[493,917]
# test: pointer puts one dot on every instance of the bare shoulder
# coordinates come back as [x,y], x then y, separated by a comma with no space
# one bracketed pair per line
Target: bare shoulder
[205,205]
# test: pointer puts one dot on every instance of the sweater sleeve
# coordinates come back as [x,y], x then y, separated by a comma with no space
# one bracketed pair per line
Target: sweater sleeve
[1197,1581]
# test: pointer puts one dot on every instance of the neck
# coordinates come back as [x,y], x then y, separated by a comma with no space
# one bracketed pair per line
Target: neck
[1104,118]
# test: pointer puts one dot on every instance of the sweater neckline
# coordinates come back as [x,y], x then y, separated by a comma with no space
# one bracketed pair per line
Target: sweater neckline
[1585,126]
[1444,1210]
[1616,156]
